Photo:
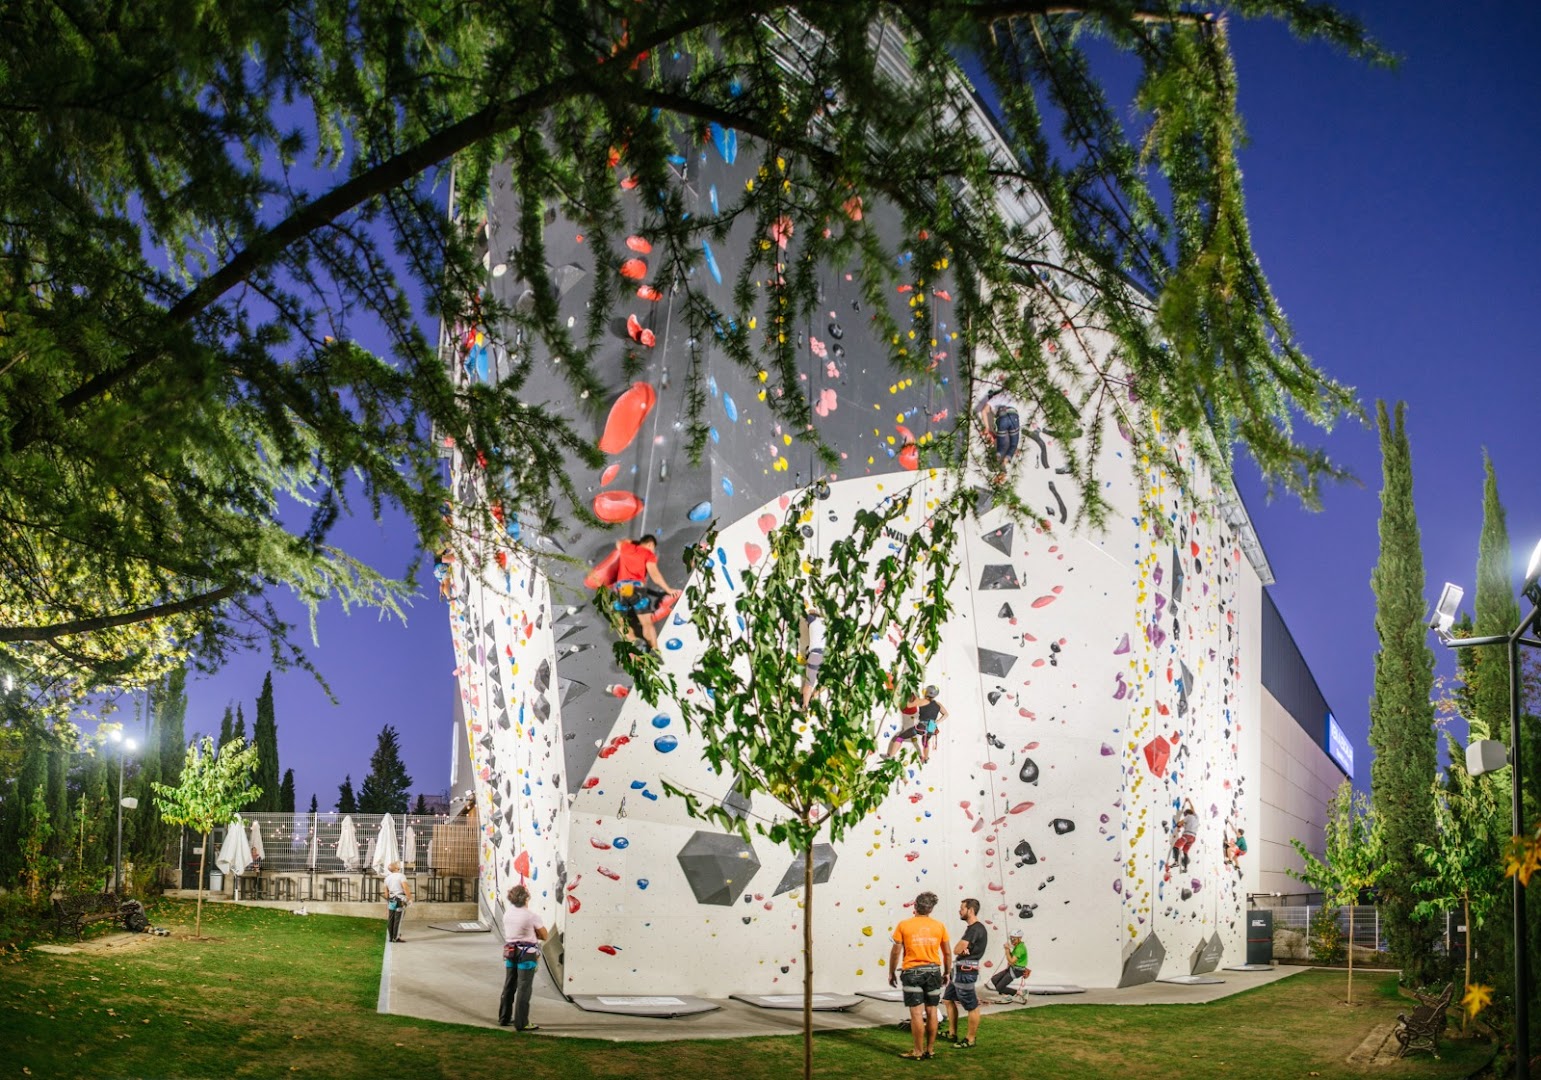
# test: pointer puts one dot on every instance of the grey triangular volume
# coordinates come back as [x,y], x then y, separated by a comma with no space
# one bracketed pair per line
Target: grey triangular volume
[543,676]
[794,878]
[1001,538]
[735,803]
[995,663]
[1006,612]
[572,689]
[568,630]
[999,576]
[984,501]
[1177,576]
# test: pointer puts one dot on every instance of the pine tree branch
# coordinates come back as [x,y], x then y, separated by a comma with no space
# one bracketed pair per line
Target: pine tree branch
[493,120]
[107,622]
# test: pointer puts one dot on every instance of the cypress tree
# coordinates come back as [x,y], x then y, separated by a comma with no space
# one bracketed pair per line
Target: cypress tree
[265,735]
[384,790]
[1497,612]
[422,805]
[286,793]
[347,802]
[1401,710]
[238,729]
[226,728]
[314,806]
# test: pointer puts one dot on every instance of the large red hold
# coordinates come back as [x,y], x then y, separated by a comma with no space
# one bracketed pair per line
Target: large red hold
[604,573]
[1157,752]
[626,417]
[617,506]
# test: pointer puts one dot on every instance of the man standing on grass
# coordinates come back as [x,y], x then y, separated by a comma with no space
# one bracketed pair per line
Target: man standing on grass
[963,989]
[916,960]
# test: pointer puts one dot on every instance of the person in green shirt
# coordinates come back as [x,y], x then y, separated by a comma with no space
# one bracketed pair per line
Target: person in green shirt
[1016,965]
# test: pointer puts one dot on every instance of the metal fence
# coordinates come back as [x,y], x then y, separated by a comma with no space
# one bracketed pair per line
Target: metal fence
[1367,923]
[305,856]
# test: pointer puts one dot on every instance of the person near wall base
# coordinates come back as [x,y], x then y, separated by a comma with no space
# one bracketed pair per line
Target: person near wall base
[522,934]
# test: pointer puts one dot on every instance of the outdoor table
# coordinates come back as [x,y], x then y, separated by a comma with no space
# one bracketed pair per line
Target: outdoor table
[338,889]
[248,887]
[370,891]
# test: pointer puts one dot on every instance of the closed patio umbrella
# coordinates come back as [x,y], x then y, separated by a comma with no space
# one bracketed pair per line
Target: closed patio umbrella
[409,847]
[258,853]
[385,851]
[347,844]
[235,853]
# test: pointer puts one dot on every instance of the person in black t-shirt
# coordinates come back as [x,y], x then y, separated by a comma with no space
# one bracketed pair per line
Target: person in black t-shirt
[962,989]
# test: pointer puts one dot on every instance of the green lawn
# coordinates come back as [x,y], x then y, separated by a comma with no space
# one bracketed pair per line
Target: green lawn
[267,994]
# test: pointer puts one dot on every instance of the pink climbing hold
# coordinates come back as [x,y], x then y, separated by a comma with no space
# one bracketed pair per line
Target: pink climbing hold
[752,552]
[1045,601]
[828,402]
[600,844]
[617,506]
[1021,806]
[626,417]
[767,522]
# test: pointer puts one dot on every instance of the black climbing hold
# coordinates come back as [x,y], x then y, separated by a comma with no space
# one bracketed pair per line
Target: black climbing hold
[1062,825]
[835,331]
[1024,851]
[1029,773]
[995,696]
[1006,612]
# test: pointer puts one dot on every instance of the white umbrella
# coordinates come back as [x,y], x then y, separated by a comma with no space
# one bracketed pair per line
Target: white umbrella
[235,853]
[257,851]
[386,851]
[409,847]
[347,844]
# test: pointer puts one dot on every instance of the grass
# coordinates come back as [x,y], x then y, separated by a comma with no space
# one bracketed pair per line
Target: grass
[266,994]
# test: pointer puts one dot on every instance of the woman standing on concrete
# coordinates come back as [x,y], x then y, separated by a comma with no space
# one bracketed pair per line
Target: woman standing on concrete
[522,934]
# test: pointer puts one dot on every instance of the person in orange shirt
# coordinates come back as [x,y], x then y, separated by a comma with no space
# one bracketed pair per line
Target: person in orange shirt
[916,961]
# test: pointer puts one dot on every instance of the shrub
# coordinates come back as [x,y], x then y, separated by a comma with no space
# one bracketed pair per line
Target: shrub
[1326,937]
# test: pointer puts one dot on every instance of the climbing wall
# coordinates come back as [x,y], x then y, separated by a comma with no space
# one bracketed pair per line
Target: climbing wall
[1093,680]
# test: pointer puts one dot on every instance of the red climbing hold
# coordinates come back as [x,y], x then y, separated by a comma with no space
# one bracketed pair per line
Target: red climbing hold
[608,475]
[639,245]
[591,782]
[616,506]
[635,269]
[648,293]
[609,950]
[573,904]
[639,333]
[522,864]
[665,606]
[1157,752]
[909,457]
[626,417]
[604,573]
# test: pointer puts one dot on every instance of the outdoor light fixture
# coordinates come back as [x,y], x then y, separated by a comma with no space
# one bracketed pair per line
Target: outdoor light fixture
[1485,756]
[125,747]
[1445,611]
[1532,586]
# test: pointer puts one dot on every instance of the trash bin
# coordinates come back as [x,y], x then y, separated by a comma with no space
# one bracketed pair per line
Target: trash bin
[216,881]
[1260,936]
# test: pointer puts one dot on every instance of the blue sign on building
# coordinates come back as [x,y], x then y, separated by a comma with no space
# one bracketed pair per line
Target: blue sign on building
[1339,747]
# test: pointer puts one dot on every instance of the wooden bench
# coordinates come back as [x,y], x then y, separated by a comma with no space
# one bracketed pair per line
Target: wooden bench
[74,912]
[1422,1029]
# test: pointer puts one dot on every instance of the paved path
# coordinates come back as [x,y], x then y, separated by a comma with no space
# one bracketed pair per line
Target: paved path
[457,978]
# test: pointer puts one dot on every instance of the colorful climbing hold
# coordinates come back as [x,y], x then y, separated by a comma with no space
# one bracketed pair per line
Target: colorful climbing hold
[617,506]
[626,417]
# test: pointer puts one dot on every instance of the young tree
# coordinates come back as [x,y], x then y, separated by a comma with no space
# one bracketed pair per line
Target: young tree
[814,761]
[214,785]
[1461,868]
[198,317]
[384,790]
[286,793]
[314,807]
[1497,612]
[347,802]
[1355,859]
[422,805]
[265,738]
[238,729]
[1401,710]
[37,865]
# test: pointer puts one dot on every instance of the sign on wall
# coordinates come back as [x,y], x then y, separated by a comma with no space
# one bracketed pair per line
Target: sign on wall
[1339,747]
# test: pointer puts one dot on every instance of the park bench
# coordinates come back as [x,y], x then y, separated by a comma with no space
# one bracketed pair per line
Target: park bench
[1421,1030]
[74,912]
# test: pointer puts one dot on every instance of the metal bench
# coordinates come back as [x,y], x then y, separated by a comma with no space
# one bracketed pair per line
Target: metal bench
[74,912]
[1421,1030]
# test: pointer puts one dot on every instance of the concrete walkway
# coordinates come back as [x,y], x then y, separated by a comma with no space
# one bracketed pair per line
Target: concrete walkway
[457,978]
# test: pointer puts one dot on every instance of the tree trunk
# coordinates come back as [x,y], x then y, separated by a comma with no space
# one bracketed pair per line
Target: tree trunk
[203,858]
[1466,909]
[808,963]
[1351,953]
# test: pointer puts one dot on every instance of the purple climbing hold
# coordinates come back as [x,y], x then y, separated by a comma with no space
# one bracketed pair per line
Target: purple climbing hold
[1118,695]
[1107,751]
[1123,646]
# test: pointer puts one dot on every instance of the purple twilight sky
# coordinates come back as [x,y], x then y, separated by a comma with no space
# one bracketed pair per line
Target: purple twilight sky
[1395,215]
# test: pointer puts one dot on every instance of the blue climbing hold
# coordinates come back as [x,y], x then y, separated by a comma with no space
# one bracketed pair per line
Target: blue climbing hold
[660,721]
[650,797]
[674,644]
[711,263]
[701,511]
[727,486]
[713,193]
[665,744]
[716,438]
[638,785]
[642,883]
[620,842]
[730,406]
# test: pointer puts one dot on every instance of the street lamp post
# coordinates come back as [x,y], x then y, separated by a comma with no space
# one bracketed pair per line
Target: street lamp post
[1486,756]
[125,747]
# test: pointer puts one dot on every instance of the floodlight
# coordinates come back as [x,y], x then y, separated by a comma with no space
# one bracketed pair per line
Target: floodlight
[1532,587]
[116,735]
[1445,611]
[130,803]
[130,745]
[1485,756]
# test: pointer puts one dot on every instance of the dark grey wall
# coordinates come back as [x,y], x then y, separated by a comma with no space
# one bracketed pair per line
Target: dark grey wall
[1289,680]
